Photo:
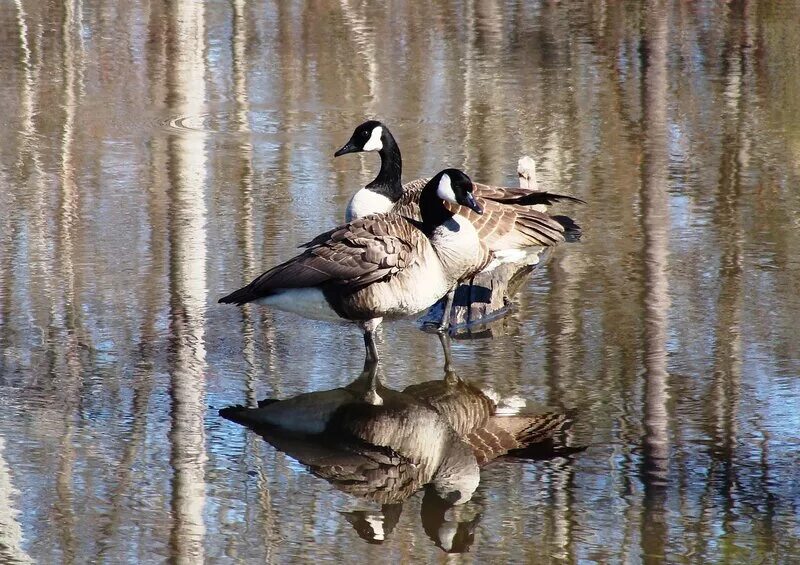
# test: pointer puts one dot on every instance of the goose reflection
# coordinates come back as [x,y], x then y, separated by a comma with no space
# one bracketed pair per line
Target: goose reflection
[385,445]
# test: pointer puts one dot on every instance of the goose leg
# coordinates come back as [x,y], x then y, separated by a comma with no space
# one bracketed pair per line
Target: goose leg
[469,309]
[369,328]
[371,348]
[444,339]
[448,306]
[371,395]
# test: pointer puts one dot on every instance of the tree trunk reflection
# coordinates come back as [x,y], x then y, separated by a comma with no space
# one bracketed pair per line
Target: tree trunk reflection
[187,216]
[655,228]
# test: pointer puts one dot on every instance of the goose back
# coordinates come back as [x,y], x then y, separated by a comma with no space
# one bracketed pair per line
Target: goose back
[502,225]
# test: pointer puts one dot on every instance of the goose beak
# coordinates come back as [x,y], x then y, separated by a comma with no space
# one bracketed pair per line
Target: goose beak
[348,147]
[472,204]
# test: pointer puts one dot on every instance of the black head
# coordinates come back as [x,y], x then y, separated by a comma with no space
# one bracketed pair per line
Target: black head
[455,187]
[369,136]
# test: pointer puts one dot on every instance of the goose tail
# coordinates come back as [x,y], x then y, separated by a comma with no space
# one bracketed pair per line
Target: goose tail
[572,230]
[537,199]
[238,414]
[241,296]
[244,415]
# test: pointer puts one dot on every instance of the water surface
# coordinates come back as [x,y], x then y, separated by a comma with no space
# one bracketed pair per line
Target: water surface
[157,155]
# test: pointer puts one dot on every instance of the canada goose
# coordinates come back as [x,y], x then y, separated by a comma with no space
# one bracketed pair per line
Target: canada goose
[512,217]
[435,433]
[382,266]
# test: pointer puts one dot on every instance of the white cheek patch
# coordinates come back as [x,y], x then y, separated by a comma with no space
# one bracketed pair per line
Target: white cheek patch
[377,527]
[374,143]
[445,190]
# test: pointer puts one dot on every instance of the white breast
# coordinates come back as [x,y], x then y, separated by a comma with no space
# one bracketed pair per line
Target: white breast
[457,244]
[366,202]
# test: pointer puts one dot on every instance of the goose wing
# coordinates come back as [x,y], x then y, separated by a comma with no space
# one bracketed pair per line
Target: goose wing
[502,434]
[463,406]
[521,196]
[512,225]
[502,194]
[353,255]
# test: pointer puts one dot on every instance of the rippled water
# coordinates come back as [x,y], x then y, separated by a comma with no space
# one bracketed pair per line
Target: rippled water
[158,154]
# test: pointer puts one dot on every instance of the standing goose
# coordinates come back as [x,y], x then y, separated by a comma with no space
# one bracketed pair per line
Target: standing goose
[512,217]
[382,266]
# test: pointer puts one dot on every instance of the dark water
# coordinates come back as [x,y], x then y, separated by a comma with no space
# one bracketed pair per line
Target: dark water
[156,155]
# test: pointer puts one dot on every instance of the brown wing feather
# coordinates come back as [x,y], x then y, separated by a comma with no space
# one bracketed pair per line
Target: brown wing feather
[505,194]
[463,405]
[354,255]
[521,196]
[502,225]
[502,434]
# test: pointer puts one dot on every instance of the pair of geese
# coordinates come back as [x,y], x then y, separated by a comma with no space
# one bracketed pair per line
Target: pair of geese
[436,434]
[404,248]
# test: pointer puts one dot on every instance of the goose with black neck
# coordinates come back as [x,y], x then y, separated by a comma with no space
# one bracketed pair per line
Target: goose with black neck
[380,266]
[512,218]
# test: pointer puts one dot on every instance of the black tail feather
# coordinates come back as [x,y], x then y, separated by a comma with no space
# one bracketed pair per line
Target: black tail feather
[534,198]
[241,296]
[234,413]
[572,231]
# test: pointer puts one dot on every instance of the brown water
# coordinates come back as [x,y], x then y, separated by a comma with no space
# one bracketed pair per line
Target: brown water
[156,155]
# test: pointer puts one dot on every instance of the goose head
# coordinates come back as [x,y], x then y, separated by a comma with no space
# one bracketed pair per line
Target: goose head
[369,136]
[454,186]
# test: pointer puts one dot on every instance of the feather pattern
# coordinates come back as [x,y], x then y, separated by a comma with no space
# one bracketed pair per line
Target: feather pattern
[384,265]
[513,218]
[473,416]
[507,221]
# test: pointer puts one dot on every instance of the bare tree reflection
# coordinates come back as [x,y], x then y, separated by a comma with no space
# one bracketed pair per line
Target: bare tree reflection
[725,392]
[245,175]
[655,227]
[187,216]
[246,244]
[11,550]
[66,314]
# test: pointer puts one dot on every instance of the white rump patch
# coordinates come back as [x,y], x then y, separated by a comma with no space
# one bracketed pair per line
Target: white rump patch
[505,256]
[374,143]
[510,406]
[445,190]
[306,302]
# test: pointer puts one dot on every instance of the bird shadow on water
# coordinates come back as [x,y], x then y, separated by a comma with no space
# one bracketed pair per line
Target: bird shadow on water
[385,445]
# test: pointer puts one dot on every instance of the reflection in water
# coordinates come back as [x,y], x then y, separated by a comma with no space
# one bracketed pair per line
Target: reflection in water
[245,157]
[187,175]
[432,435]
[655,228]
[11,550]
[671,327]
[68,320]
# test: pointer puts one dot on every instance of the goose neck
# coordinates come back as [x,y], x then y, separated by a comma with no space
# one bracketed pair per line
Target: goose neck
[388,181]
[432,209]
